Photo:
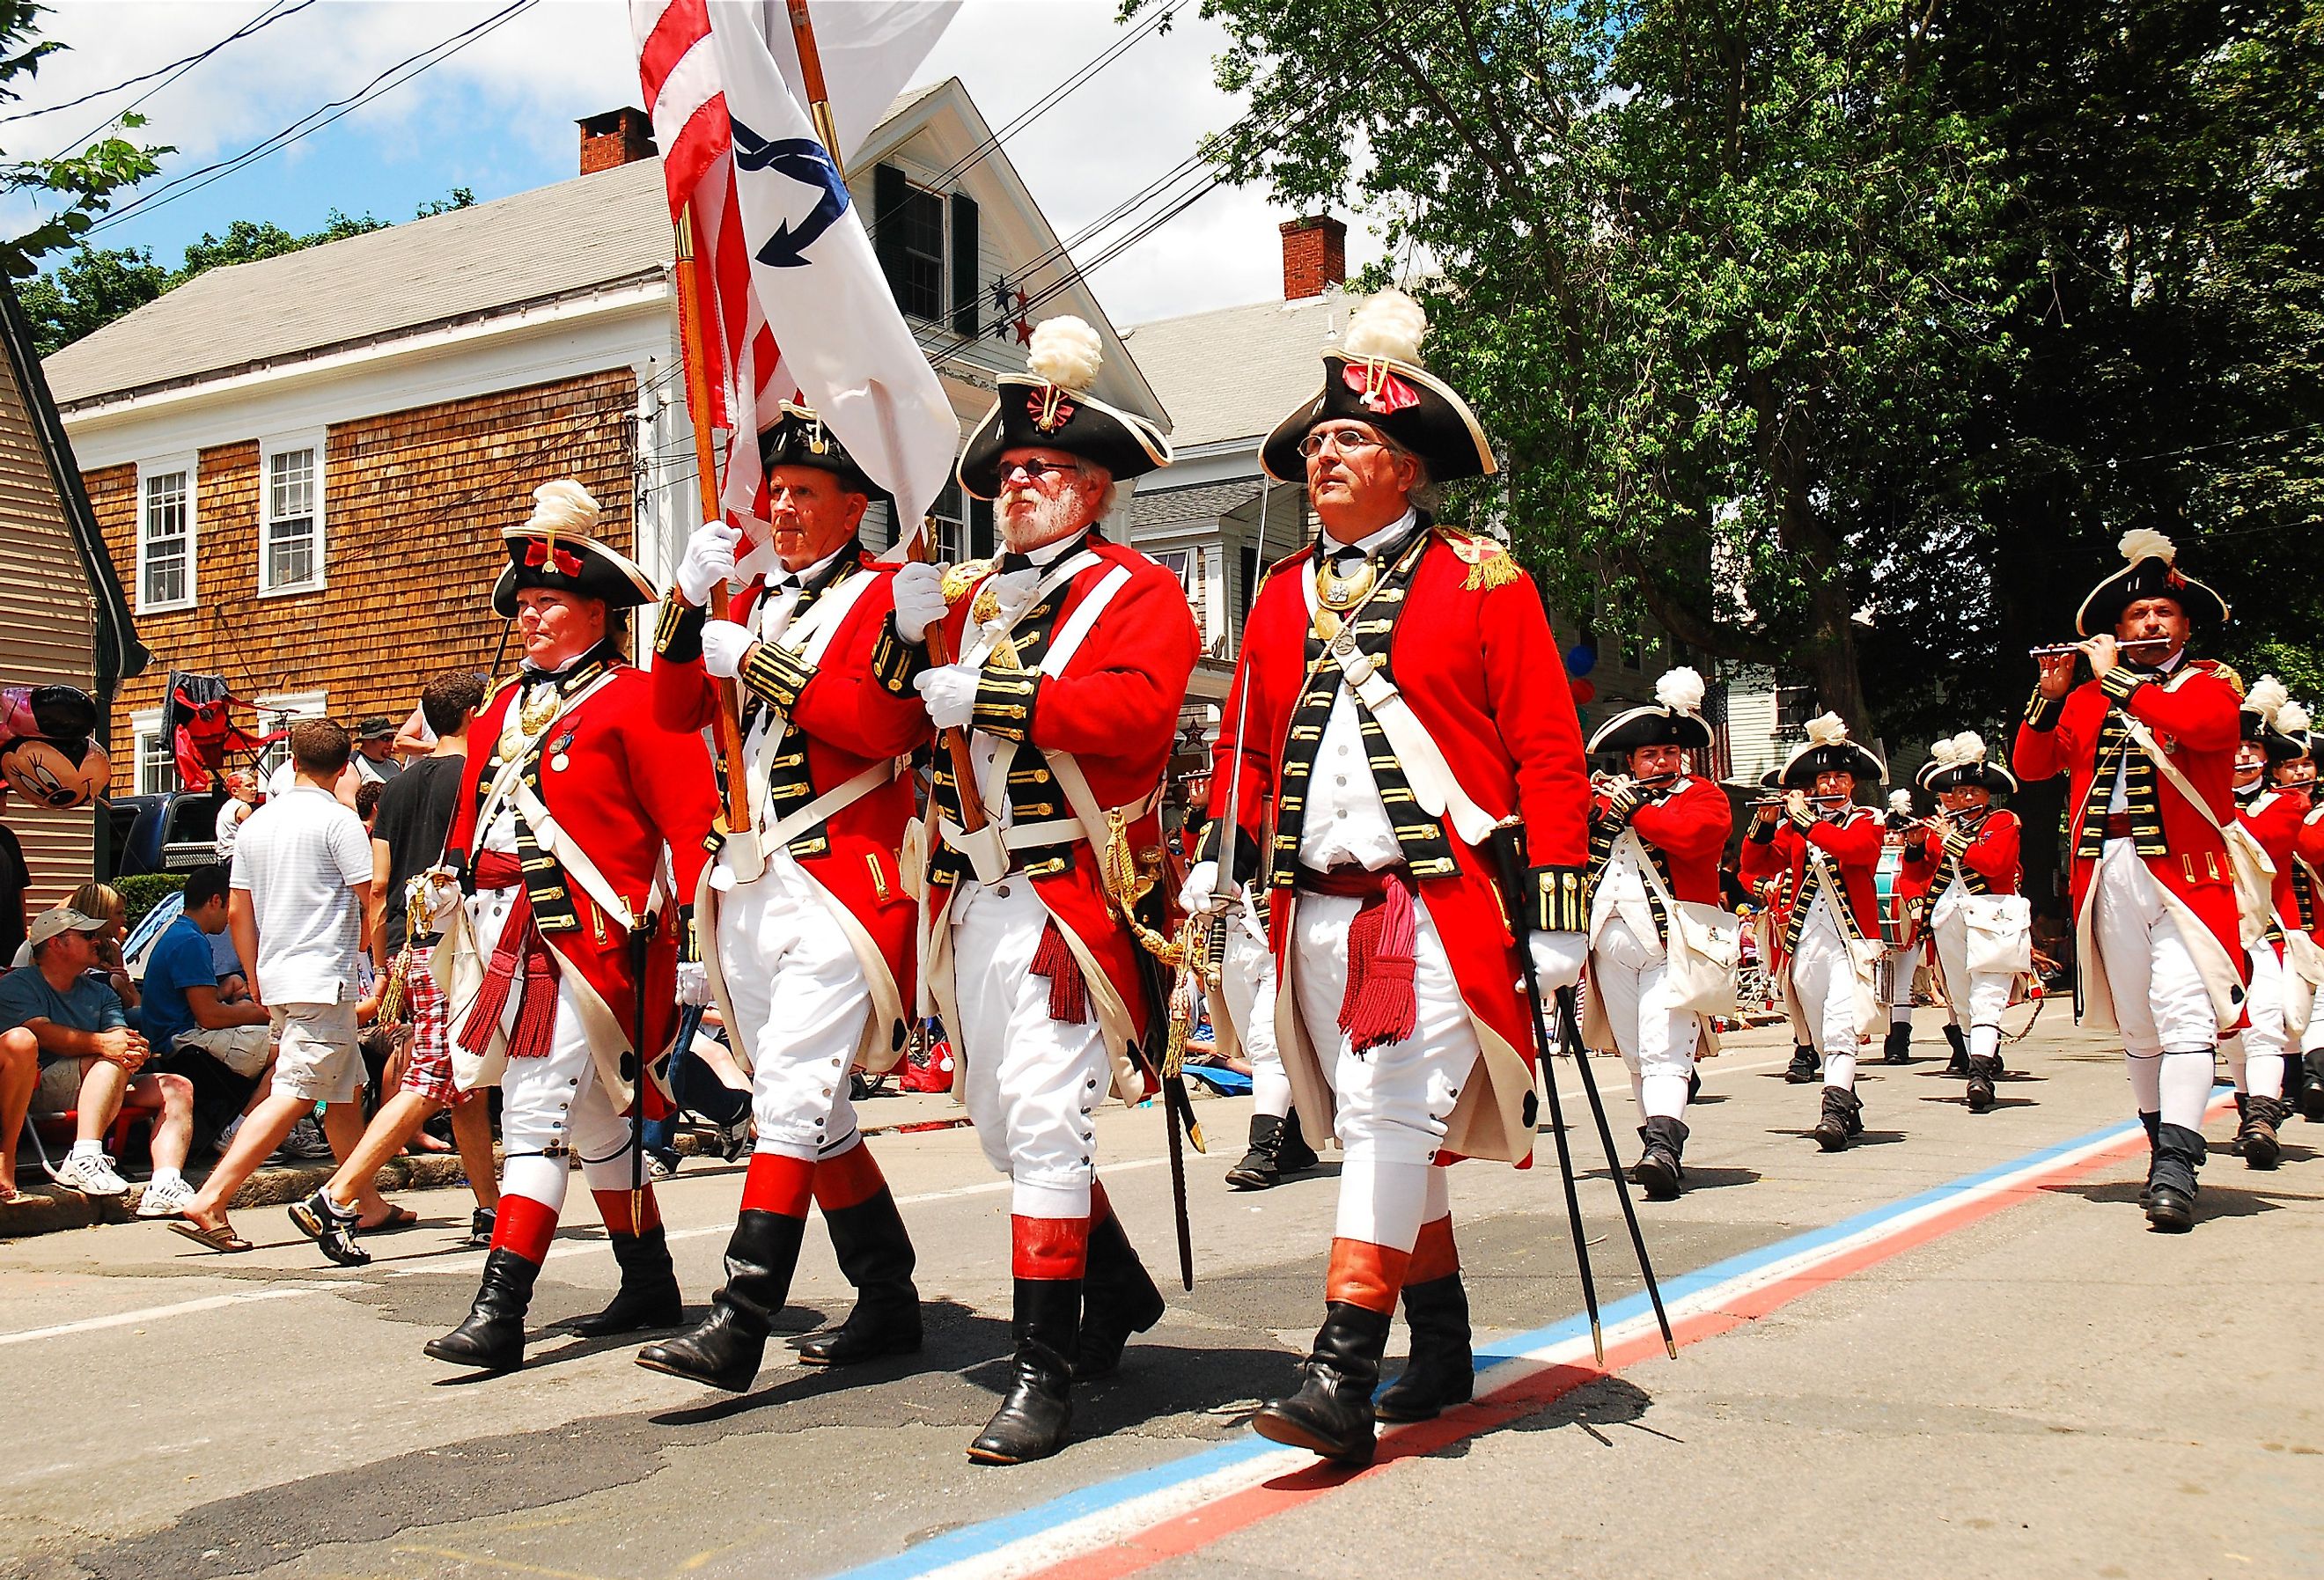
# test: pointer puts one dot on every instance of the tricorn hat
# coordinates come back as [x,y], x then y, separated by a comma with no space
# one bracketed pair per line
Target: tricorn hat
[1675,718]
[1827,750]
[1960,759]
[555,549]
[2152,572]
[2272,719]
[1374,376]
[798,437]
[1050,407]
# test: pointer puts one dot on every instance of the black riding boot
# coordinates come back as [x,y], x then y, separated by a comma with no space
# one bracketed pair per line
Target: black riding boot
[1118,1298]
[1039,1407]
[1805,1066]
[1443,1370]
[1332,1413]
[648,1296]
[1657,1171]
[2257,1136]
[876,1255]
[1898,1049]
[2170,1182]
[492,1338]
[1983,1071]
[1842,1117]
[1261,1167]
[1959,1043]
[724,1349]
[2312,1096]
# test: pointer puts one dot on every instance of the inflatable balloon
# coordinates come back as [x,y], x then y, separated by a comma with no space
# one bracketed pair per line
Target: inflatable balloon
[53,774]
[1580,660]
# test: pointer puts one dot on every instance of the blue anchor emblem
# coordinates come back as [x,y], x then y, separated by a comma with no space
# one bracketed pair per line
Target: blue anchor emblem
[803,160]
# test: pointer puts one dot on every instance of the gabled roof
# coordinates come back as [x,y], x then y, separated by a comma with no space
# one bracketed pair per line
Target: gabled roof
[579,235]
[1234,373]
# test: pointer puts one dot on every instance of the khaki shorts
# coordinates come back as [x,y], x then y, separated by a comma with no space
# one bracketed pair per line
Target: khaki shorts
[241,1049]
[317,1059]
[59,1091]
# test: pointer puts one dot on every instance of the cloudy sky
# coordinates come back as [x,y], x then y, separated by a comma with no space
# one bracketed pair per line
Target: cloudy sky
[498,119]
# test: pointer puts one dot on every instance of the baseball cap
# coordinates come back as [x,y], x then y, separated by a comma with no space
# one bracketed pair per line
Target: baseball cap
[64,918]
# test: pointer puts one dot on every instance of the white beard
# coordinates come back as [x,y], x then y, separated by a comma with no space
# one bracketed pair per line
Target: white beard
[1052,519]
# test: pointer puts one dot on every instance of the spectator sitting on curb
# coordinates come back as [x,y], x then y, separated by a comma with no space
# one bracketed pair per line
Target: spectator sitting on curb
[300,878]
[60,1019]
[185,1013]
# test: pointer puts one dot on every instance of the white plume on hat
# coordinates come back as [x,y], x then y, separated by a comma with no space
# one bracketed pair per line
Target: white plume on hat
[1827,729]
[1968,747]
[2291,719]
[2146,543]
[1681,690]
[563,506]
[2266,698]
[1940,751]
[1900,801]
[1389,324]
[1066,352]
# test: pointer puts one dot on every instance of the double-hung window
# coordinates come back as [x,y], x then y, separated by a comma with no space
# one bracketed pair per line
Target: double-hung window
[290,514]
[165,535]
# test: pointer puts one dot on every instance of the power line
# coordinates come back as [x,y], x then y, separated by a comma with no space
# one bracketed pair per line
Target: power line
[306,125]
[262,20]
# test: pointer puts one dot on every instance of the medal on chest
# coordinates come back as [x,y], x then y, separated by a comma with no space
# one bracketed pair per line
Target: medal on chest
[1337,594]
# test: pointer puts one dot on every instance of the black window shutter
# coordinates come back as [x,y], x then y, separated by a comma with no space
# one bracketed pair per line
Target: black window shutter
[964,264]
[979,529]
[889,190]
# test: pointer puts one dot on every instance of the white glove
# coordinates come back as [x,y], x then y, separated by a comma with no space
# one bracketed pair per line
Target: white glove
[708,559]
[919,600]
[725,646]
[948,693]
[1557,958]
[1201,888]
[693,982]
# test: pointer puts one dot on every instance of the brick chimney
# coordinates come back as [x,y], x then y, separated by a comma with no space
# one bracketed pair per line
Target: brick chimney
[1315,256]
[615,137]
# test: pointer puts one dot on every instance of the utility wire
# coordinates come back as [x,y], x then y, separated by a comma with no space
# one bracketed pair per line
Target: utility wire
[263,19]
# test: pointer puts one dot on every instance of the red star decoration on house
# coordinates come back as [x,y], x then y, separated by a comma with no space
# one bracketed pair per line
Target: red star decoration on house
[1024,331]
[1023,301]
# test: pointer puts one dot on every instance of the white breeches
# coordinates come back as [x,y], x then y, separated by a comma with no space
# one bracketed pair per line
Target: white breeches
[1823,978]
[1031,1082]
[1630,976]
[1391,1105]
[1247,981]
[800,1004]
[2160,1001]
[2255,1054]
[554,1105]
[1977,997]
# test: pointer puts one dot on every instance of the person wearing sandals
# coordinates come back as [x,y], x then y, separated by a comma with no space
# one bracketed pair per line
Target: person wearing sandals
[1964,865]
[807,926]
[300,877]
[1655,837]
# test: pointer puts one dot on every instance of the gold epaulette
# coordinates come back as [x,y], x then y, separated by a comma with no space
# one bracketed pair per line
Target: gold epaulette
[1490,562]
[2223,670]
[962,575]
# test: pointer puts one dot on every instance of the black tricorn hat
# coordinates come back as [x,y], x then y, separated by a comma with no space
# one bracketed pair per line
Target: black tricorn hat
[1827,750]
[554,550]
[798,437]
[1675,718]
[2152,572]
[1051,408]
[2272,719]
[1960,761]
[1374,376]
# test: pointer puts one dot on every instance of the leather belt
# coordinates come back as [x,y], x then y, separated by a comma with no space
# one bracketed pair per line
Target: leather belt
[1350,882]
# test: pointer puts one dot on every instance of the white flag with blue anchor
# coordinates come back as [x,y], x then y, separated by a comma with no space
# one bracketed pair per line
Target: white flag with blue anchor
[819,283]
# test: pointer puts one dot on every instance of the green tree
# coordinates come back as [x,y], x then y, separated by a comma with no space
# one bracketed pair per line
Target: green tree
[80,183]
[1709,272]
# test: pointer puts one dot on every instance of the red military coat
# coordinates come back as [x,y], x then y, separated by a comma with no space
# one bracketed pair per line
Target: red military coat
[1850,842]
[851,712]
[1115,710]
[623,786]
[1474,657]
[2308,849]
[2195,716]
[1992,854]
[1688,826]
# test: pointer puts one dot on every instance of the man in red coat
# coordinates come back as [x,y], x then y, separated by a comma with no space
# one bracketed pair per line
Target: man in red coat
[805,923]
[1071,660]
[1827,851]
[1965,867]
[2148,750]
[1400,692]
[2281,997]
[558,935]
[1656,838]
[2303,1077]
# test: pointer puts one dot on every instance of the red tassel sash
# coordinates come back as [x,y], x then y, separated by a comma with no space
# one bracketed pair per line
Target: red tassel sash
[519,941]
[1380,1006]
[1053,957]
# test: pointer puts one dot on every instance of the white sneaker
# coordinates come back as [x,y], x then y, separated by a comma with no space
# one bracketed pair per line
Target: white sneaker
[165,1200]
[91,1174]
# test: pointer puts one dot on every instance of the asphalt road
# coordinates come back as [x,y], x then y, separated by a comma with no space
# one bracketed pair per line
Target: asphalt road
[2009,1379]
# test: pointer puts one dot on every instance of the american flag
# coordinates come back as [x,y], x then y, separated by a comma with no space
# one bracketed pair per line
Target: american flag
[687,107]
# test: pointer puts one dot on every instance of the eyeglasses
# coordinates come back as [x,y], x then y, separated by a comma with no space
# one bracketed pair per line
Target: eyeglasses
[1032,471]
[1346,440]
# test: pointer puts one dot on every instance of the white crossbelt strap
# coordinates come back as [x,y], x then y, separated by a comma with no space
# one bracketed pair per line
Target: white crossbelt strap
[1064,571]
[836,800]
[550,836]
[810,638]
[512,774]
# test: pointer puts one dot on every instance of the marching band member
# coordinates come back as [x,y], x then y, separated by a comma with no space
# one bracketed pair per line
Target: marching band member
[2269,815]
[805,923]
[1074,656]
[1773,923]
[1245,1003]
[1967,866]
[1403,692]
[1906,891]
[2148,748]
[2303,1077]
[1656,838]
[560,941]
[1827,849]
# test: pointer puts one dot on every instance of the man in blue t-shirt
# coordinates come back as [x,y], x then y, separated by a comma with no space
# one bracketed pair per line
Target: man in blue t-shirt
[60,1011]
[184,1008]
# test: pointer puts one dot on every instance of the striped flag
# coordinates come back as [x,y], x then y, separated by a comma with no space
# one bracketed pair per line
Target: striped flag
[842,334]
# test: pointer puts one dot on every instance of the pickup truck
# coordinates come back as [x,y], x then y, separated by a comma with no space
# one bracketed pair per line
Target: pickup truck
[171,833]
